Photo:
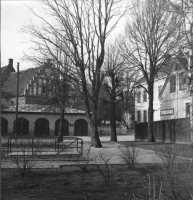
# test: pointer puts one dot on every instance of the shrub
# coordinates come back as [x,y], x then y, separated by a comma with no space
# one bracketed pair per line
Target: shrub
[174,173]
[83,163]
[129,155]
[104,167]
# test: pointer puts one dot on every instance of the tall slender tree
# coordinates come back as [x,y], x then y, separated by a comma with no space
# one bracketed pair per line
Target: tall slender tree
[114,66]
[151,39]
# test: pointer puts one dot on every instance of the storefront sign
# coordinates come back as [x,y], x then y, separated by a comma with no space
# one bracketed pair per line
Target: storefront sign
[167,112]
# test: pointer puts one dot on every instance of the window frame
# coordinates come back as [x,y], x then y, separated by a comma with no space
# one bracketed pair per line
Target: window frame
[145,116]
[182,83]
[139,97]
[138,116]
[144,96]
[187,110]
[173,84]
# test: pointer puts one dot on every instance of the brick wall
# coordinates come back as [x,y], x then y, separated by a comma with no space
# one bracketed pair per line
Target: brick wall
[51,117]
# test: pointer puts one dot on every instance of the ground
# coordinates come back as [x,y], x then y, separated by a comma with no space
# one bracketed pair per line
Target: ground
[58,179]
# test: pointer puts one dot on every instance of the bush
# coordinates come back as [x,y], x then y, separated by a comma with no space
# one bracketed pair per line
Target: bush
[83,163]
[104,167]
[174,173]
[129,155]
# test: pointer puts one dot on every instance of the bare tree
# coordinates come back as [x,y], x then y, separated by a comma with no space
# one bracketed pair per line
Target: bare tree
[81,28]
[151,39]
[114,66]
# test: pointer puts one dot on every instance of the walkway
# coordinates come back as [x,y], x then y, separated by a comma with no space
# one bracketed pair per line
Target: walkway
[110,149]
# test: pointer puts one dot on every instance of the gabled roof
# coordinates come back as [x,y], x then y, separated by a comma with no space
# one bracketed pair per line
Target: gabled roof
[5,71]
[10,85]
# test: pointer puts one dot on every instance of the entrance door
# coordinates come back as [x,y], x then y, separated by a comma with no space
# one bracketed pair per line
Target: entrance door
[80,127]
[66,127]
[41,127]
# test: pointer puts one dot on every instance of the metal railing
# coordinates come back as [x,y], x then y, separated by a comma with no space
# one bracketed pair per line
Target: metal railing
[69,143]
[34,144]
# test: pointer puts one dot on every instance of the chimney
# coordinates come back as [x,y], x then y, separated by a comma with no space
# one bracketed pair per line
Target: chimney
[10,62]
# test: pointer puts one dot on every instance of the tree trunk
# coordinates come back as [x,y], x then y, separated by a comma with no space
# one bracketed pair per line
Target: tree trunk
[0,131]
[95,140]
[150,114]
[61,126]
[113,123]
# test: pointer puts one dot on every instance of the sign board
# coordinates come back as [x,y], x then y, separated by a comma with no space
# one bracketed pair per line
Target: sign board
[167,112]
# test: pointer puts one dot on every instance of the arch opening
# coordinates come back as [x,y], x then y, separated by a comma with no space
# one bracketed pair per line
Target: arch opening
[65,128]
[22,127]
[41,127]
[81,127]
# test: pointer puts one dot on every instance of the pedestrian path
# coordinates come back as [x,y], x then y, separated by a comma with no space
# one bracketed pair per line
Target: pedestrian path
[109,149]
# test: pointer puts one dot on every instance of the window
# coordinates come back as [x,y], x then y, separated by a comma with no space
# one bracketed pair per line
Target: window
[138,116]
[144,96]
[39,90]
[138,97]
[159,90]
[44,89]
[187,109]
[145,115]
[173,84]
[34,91]
[30,90]
[182,81]
[40,81]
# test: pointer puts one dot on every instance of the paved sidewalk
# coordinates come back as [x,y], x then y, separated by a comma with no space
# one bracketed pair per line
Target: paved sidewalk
[110,149]
[106,138]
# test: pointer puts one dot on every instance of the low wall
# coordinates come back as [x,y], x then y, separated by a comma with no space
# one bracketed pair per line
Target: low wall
[106,130]
[174,130]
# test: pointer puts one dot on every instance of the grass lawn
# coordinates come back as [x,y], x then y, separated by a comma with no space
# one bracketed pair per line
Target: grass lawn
[70,183]
[186,150]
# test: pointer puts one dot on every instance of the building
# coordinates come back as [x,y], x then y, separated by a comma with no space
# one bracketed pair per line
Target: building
[171,94]
[35,119]
[141,100]
[174,97]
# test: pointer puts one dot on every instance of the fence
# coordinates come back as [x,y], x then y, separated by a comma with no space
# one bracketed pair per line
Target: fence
[34,145]
[174,130]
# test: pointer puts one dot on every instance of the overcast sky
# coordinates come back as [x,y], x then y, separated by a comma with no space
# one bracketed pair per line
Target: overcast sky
[14,14]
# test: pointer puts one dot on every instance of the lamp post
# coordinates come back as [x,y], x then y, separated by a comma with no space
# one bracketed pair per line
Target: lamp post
[16,117]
